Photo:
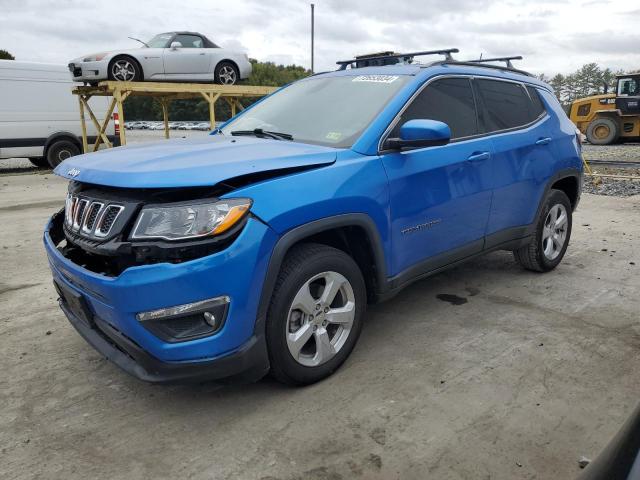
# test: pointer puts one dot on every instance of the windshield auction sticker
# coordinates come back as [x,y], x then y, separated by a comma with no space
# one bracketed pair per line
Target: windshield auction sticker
[375,78]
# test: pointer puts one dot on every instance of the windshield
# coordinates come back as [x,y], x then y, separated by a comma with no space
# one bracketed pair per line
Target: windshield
[331,111]
[160,41]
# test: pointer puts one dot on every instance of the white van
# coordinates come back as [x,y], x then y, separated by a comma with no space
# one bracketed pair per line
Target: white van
[39,116]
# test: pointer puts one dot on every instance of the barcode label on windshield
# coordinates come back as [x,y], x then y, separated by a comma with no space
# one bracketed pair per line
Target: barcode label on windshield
[375,78]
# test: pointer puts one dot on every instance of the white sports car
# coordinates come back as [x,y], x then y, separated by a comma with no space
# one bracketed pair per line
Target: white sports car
[172,56]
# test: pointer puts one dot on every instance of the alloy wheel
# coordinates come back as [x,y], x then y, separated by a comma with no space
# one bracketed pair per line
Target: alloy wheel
[320,319]
[123,70]
[227,75]
[554,233]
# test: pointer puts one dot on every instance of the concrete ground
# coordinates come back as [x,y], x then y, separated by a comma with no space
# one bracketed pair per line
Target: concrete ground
[485,371]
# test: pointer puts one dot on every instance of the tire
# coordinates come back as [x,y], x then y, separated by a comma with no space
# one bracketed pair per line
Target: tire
[40,162]
[60,151]
[603,131]
[301,283]
[226,73]
[548,244]
[125,69]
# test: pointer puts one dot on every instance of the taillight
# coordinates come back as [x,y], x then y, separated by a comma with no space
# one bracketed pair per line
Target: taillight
[116,123]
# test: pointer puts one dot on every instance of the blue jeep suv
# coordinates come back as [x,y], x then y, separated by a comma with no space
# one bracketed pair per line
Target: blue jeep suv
[257,248]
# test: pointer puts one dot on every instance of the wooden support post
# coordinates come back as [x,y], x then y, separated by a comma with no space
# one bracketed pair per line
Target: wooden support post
[212,99]
[120,98]
[101,135]
[165,116]
[83,124]
[232,104]
[105,124]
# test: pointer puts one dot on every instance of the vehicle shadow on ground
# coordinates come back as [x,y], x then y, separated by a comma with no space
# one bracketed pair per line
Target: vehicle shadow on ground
[448,289]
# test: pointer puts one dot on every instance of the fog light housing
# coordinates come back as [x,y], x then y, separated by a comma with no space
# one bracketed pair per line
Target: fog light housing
[188,321]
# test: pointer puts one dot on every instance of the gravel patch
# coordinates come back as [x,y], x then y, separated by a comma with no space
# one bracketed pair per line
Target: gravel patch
[612,187]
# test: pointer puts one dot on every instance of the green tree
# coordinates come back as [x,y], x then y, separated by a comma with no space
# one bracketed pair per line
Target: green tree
[588,80]
[4,55]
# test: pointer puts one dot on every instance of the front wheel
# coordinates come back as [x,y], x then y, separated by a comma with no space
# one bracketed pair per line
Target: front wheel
[124,69]
[551,237]
[316,313]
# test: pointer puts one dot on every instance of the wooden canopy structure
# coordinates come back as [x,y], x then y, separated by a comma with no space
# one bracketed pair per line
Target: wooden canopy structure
[164,93]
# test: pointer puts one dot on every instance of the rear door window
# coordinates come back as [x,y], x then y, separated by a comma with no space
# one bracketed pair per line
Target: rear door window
[449,100]
[506,104]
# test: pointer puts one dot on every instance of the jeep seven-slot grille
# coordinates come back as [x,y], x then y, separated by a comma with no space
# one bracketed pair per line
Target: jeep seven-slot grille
[90,218]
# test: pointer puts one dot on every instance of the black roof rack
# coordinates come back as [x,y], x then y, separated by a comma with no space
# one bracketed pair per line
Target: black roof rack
[484,61]
[365,60]
[507,60]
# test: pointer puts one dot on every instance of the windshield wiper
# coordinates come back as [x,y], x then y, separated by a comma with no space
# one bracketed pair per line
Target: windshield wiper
[258,132]
[137,40]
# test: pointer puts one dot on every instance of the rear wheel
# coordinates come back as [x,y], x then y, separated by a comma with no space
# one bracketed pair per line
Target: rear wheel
[39,162]
[124,69]
[316,313]
[603,131]
[551,237]
[61,150]
[226,73]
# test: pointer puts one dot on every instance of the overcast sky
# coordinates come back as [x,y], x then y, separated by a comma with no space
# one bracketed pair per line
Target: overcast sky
[553,36]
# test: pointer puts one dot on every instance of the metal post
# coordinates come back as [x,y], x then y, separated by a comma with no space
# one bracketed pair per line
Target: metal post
[312,34]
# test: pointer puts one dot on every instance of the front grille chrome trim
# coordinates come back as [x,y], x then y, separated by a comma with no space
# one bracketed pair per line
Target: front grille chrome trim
[86,228]
[86,216]
[79,213]
[99,232]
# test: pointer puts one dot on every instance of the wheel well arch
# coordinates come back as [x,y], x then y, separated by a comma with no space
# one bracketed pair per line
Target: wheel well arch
[124,55]
[53,138]
[235,64]
[570,186]
[355,234]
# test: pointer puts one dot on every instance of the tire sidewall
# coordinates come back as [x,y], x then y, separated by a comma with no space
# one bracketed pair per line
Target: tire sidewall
[554,197]
[276,327]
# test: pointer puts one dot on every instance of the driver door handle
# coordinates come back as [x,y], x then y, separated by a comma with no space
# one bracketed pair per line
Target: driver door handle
[479,156]
[543,141]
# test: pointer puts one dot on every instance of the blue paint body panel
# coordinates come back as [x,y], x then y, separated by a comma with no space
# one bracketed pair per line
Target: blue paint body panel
[423,203]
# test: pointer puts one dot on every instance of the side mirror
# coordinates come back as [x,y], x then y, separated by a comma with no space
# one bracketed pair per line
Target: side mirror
[420,133]
[175,45]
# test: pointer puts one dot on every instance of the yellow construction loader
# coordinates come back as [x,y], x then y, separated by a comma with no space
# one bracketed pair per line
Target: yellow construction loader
[613,117]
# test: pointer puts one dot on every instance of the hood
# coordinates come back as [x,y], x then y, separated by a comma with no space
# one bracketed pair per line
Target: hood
[191,163]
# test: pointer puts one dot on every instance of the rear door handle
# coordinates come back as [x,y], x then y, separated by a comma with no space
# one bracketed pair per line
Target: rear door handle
[479,156]
[543,141]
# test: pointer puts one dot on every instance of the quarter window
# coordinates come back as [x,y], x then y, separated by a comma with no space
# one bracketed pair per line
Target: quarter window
[536,107]
[449,100]
[506,104]
[189,41]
